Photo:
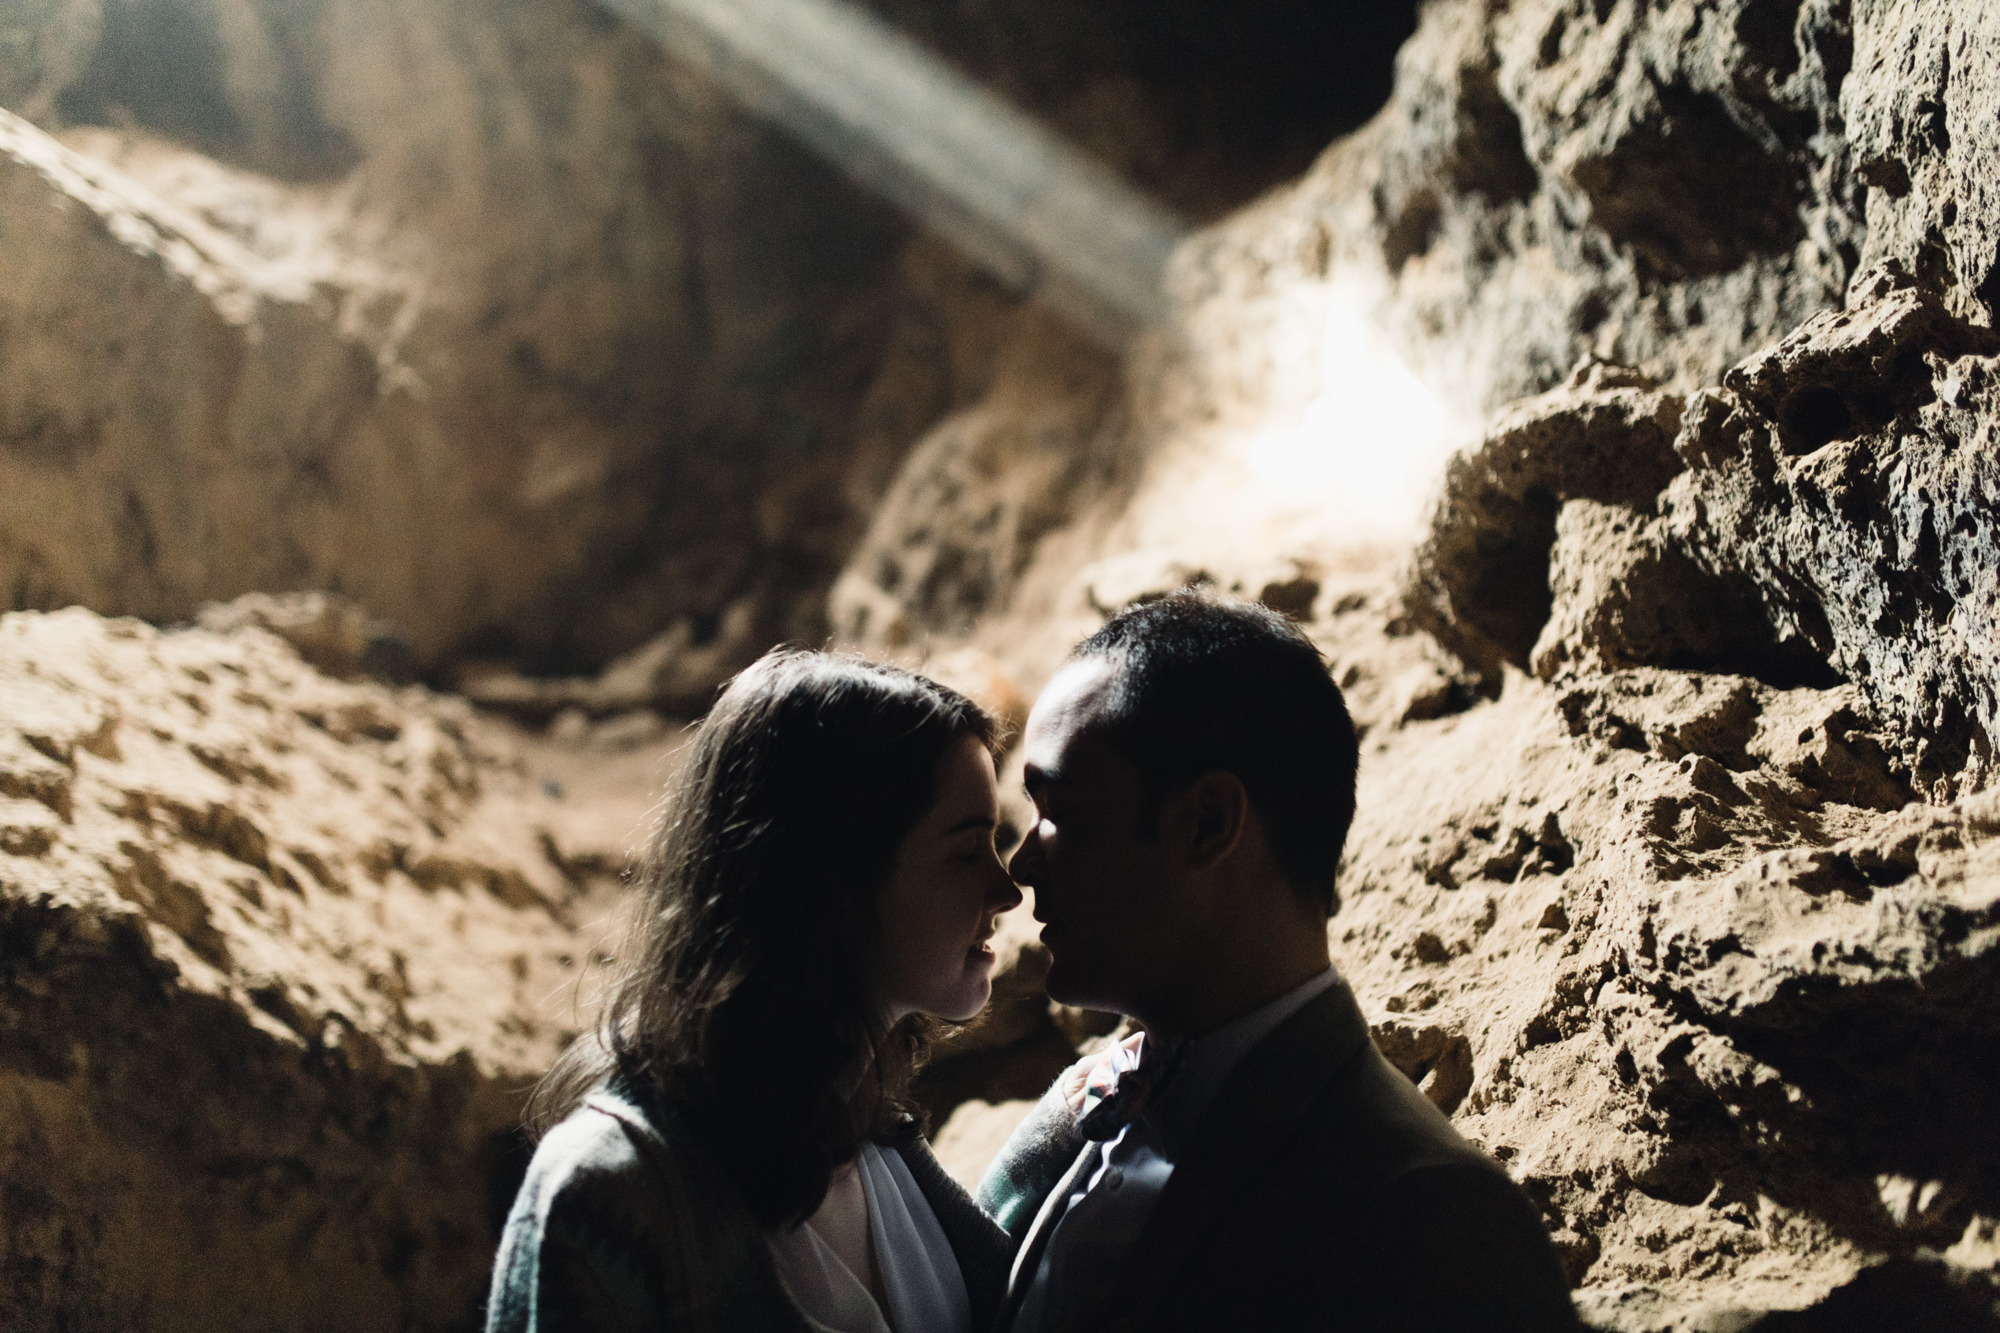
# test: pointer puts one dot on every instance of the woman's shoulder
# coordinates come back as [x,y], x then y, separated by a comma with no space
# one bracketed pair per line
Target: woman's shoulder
[622,1212]
[614,1144]
[620,1173]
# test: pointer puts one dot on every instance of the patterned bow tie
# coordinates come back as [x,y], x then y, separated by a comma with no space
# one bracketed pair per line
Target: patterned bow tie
[1126,1076]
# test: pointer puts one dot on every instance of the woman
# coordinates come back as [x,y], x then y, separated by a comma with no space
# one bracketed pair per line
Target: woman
[734,1150]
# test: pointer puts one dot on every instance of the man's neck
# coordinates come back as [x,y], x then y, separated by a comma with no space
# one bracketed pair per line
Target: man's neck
[1199,1009]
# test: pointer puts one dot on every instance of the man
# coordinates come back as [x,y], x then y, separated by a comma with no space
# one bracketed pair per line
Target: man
[1252,1161]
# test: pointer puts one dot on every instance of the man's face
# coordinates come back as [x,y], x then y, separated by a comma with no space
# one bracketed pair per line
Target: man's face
[1093,856]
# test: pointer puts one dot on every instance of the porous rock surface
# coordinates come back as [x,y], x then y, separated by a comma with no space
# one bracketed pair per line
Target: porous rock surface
[279,955]
[1708,983]
[1754,940]
[1853,471]
[1662,186]
[1675,875]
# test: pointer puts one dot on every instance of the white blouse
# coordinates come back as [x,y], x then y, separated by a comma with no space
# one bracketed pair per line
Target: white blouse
[920,1277]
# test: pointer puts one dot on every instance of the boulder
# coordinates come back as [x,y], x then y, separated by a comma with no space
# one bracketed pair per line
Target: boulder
[279,957]
[1851,473]
[493,319]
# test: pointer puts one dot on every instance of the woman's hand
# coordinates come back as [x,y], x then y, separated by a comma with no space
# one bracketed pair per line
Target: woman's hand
[1076,1078]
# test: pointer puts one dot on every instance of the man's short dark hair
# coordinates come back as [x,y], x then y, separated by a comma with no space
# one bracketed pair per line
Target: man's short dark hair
[1205,684]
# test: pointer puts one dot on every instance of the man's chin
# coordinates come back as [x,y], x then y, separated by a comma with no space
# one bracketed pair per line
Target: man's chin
[1076,985]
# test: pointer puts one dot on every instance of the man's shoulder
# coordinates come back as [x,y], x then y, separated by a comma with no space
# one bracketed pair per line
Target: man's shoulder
[1371,1121]
[1325,1146]
[1378,1194]
[1320,1086]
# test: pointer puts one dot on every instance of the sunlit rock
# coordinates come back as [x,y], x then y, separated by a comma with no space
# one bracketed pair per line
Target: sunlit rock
[496,320]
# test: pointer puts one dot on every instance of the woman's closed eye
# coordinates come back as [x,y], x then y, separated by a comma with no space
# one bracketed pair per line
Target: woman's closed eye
[971,841]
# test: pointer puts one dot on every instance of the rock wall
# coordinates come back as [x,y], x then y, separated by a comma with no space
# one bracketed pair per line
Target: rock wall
[1674,876]
[279,957]
[1715,919]
[489,317]
[419,335]
[502,323]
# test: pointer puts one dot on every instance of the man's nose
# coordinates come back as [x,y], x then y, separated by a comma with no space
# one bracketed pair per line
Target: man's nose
[1025,865]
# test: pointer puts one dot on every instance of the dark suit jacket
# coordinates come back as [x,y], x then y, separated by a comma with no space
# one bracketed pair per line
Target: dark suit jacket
[1320,1191]
[626,1224]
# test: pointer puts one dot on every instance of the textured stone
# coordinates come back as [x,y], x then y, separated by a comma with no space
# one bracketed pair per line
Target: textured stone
[1919,114]
[1852,474]
[1835,520]
[973,500]
[1707,967]
[500,322]
[333,633]
[1664,185]
[670,672]
[1676,879]
[1620,595]
[1480,583]
[1675,819]
[278,957]
[414,337]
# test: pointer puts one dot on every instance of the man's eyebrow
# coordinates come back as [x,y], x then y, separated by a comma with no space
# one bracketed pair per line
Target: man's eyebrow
[981,822]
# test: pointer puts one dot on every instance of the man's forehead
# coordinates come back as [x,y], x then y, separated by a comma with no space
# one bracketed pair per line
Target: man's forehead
[1064,746]
[1075,697]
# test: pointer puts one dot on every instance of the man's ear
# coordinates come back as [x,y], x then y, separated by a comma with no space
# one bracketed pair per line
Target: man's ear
[1217,808]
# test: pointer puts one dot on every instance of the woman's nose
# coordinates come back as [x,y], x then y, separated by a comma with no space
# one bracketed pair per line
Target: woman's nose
[1004,895]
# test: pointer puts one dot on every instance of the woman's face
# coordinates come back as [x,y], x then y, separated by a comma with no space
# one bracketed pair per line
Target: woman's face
[943,894]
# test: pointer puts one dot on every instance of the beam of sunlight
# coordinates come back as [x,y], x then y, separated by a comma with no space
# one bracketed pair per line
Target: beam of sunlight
[1004,190]
[1293,433]
[1351,433]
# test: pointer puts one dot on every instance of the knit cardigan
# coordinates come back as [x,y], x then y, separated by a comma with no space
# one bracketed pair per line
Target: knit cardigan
[626,1222]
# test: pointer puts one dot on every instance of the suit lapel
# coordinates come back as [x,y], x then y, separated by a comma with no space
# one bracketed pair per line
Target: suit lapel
[1255,1116]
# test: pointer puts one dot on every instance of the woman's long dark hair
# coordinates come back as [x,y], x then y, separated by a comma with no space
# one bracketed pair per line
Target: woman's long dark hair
[745,993]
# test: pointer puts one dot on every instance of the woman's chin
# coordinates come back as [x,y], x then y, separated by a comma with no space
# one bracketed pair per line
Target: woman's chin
[971,1002]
